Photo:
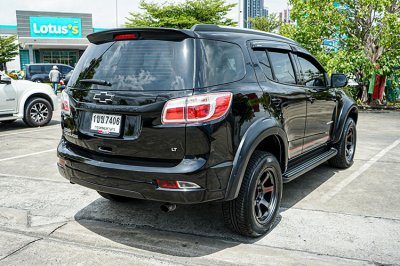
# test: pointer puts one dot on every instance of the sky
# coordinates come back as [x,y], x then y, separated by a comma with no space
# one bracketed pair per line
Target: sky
[103,11]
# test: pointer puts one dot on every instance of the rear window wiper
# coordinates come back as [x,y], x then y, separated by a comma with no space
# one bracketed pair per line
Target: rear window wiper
[96,81]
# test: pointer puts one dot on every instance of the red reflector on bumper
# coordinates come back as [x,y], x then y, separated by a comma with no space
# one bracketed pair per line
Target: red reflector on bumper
[168,184]
[61,163]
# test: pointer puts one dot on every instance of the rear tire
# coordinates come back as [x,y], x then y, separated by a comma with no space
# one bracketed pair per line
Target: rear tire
[38,112]
[8,121]
[254,211]
[112,197]
[346,146]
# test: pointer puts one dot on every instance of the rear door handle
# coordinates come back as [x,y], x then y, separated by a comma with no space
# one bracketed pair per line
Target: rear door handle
[276,101]
[311,99]
[105,149]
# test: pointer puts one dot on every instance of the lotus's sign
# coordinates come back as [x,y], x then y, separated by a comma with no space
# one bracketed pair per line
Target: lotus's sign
[55,27]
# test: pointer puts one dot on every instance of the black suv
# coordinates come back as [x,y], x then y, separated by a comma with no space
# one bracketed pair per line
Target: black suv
[206,114]
[40,72]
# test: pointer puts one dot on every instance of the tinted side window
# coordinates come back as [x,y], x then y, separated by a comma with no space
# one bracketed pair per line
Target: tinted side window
[64,69]
[264,63]
[311,75]
[219,63]
[35,69]
[47,68]
[282,66]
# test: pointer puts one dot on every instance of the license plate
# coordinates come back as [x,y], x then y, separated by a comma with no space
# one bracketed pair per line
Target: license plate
[106,124]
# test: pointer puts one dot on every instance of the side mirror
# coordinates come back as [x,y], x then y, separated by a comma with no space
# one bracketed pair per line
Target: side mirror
[338,80]
[5,79]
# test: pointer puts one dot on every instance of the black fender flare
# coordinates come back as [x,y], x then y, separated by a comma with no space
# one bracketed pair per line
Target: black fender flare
[256,133]
[348,108]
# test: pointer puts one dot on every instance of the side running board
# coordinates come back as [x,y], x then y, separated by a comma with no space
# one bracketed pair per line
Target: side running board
[307,165]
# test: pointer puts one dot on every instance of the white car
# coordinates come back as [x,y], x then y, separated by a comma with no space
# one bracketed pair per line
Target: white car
[33,102]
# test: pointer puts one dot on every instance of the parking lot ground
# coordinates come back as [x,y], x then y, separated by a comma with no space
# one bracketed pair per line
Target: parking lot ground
[328,216]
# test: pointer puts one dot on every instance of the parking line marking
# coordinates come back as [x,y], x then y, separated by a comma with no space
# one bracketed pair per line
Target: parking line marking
[32,178]
[26,155]
[330,194]
[30,131]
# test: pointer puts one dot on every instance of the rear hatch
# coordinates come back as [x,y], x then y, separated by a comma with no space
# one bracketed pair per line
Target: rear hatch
[118,90]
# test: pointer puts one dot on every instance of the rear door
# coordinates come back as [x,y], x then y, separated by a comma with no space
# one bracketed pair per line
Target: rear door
[288,100]
[121,117]
[321,102]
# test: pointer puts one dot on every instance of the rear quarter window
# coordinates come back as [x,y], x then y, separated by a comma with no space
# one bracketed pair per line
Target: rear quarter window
[219,62]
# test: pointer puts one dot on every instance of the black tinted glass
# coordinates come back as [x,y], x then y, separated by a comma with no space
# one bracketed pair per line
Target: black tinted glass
[35,69]
[219,63]
[264,63]
[47,68]
[311,75]
[282,66]
[138,65]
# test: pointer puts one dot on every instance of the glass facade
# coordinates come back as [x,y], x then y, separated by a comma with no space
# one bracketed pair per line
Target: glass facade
[252,9]
[61,57]
[68,57]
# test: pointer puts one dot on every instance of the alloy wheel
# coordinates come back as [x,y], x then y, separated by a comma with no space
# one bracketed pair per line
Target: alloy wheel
[265,196]
[39,112]
[349,148]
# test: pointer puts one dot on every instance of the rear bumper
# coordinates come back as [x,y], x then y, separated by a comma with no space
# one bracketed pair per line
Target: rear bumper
[138,181]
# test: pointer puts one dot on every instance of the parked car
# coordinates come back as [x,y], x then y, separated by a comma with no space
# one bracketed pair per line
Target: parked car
[207,114]
[40,72]
[65,80]
[22,99]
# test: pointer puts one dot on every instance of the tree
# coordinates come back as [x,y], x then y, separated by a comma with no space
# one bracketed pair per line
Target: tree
[269,23]
[8,50]
[365,33]
[181,15]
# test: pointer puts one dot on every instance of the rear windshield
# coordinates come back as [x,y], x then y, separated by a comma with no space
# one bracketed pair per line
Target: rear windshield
[159,65]
[137,65]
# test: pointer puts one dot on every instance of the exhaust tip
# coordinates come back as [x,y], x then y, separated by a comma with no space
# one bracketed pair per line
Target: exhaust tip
[168,207]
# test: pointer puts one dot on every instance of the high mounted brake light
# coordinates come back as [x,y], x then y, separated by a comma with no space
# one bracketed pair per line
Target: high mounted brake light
[197,108]
[126,36]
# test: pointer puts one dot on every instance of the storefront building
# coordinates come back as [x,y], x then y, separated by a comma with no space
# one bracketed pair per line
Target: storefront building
[50,37]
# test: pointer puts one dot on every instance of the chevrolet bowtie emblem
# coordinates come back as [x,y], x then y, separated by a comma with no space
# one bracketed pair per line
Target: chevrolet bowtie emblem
[103,97]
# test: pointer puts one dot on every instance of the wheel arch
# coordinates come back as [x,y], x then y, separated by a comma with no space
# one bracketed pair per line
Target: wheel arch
[27,98]
[349,109]
[265,135]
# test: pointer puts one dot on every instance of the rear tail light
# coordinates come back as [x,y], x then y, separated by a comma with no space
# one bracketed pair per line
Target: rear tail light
[65,106]
[172,184]
[197,108]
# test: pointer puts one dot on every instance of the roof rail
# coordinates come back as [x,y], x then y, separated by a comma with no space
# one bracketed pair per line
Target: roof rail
[212,27]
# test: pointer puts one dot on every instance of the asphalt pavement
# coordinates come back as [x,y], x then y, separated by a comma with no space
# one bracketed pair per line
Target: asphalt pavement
[328,216]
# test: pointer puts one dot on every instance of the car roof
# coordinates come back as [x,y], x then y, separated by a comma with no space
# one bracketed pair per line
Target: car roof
[51,64]
[214,30]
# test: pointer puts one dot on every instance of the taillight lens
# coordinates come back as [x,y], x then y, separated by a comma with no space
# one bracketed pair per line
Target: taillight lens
[197,108]
[65,106]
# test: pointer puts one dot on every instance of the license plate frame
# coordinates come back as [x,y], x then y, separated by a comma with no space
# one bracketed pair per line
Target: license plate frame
[106,124]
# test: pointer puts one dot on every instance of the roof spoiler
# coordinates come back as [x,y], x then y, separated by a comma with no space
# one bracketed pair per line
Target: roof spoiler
[141,33]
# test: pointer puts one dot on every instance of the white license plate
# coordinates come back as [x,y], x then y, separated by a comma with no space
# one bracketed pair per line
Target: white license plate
[106,124]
